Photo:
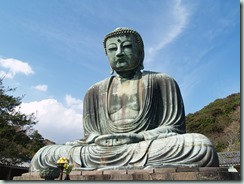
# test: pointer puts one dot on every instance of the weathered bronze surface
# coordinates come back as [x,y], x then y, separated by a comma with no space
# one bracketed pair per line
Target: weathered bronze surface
[134,119]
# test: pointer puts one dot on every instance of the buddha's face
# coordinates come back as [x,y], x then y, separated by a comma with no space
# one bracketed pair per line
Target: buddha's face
[123,52]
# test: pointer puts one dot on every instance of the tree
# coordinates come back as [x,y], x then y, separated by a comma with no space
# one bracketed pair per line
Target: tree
[37,141]
[15,144]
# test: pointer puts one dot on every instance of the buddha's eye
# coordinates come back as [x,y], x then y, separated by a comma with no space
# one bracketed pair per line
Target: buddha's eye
[127,45]
[112,48]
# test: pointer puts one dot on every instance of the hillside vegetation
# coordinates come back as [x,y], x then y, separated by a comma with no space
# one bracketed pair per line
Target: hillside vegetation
[220,122]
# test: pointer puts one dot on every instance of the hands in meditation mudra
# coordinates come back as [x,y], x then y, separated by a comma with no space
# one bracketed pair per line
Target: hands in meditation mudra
[133,119]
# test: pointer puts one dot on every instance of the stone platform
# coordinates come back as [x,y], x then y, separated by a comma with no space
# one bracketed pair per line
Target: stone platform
[202,173]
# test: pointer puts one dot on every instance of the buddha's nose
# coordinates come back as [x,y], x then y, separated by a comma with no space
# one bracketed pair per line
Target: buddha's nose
[119,52]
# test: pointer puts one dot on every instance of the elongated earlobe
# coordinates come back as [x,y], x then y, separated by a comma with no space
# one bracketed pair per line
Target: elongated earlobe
[111,71]
[141,66]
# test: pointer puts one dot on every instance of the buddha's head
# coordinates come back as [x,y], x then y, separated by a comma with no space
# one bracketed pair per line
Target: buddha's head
[125,49]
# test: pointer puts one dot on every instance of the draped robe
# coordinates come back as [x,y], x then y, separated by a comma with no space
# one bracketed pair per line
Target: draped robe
[161,121]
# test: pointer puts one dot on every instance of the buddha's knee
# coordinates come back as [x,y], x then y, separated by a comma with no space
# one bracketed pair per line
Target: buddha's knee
[200,138]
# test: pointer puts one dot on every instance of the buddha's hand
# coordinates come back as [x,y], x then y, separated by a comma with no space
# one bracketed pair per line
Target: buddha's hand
[89,140]
[118,139]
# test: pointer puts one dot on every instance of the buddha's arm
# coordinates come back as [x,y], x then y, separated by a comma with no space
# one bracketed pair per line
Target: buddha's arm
[172,109]
[89,140]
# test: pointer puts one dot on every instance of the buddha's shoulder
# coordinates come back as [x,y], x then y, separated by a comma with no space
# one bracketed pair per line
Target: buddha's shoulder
[158,75]
[100,84]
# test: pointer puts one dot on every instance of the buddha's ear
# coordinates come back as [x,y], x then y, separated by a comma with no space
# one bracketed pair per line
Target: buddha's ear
[141,53]
[141,66]
[111,71]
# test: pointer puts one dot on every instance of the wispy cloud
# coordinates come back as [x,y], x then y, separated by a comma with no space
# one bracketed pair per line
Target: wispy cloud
[179,18]
[13,67]
[42,87]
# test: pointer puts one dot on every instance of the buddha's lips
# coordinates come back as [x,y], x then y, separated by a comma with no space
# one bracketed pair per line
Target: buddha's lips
[120,60]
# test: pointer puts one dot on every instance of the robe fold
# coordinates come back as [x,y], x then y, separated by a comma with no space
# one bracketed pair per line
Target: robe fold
[161,121]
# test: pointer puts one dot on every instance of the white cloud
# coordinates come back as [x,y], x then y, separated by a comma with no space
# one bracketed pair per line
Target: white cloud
[41,87]
[14,66]
[167,34]
[57,122]
[73,103]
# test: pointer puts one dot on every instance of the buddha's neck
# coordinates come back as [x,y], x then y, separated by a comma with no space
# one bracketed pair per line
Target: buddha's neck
[127,75]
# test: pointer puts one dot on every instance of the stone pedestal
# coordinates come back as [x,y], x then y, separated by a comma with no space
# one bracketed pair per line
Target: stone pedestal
[202,173]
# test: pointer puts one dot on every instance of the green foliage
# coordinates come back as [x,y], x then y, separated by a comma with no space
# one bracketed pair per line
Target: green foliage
[50,173]
[15,145]
[37,141]
[220,121]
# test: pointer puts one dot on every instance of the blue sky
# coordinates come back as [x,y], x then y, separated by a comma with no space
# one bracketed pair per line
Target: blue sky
[52,52]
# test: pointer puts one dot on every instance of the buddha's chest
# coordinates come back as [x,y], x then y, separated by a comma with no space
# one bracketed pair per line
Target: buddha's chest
[124,95]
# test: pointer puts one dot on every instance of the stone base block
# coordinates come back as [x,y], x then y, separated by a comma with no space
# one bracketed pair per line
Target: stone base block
[180,174]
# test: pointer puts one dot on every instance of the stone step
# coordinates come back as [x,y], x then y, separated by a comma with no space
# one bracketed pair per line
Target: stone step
[202,173]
